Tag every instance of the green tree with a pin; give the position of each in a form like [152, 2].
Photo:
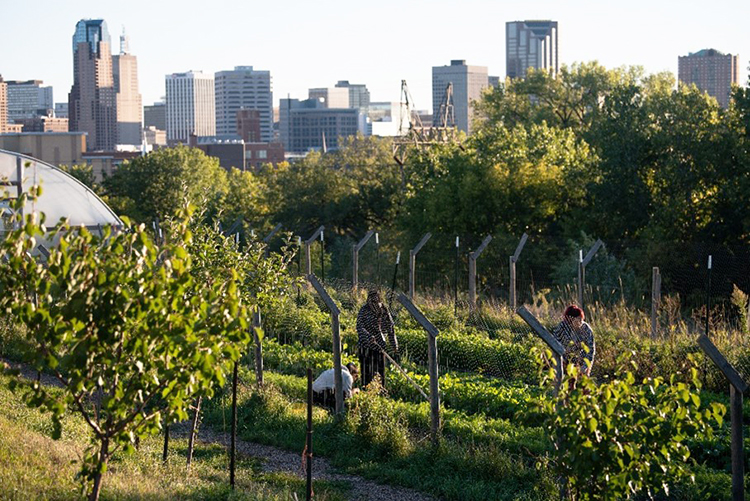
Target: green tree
[125, 327]
[158, 184]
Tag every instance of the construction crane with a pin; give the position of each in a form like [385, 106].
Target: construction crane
[411, 130]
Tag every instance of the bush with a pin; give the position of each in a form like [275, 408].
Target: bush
[618, 439]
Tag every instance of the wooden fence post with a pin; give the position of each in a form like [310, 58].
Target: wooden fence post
[555, 345]
[512, 298]
[432, 360]
[308, 243]
[335, 331]
[737, 386]
[413, 264]
[582, 263]
[473, 256]
[258, 347]
[355, 258]
[655, 300]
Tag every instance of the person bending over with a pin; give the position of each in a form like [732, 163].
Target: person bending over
[324, 386]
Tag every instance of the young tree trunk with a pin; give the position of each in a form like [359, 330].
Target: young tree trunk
[103, 458]
[193, 431]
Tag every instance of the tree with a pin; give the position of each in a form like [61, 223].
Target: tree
[158, 184]
[123, 324]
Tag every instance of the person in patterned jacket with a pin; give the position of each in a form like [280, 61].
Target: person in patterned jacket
[374, 327]
[577, 338]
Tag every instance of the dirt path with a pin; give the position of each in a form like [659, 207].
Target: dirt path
[275, 459]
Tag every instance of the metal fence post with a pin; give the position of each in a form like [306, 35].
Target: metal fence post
[512, 298]
[309, 243]
[355, 258]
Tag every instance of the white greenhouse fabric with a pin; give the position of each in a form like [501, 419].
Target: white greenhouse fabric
[63, 196]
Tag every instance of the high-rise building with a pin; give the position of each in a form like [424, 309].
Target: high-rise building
[249, 126]
[243, 88]
[359, 96]
[191, 106]
[331, 97]
[468, 84]
[711, 71]
[129, 105]
[155, 116]
[28, 99]
[92, 100]
[530, 44]
[311, 125]
[3, 105]
[61, 110]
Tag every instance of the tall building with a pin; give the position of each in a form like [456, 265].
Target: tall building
[359, 96]
[311, 125]
[129, 105]
[3, 105]
[155, 116]
[28, 99]
[92, 100]
[711, 71]
[530, 44]
[468, 84]
[331, 97]
[243, 88]
[61, 110]
[191, 106]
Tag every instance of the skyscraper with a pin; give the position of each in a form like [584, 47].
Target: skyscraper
[711, 71]
[191, 106]
[28, 99]
[129, 105]
[530, 44]
[468, 83]
[243, 88]
[330, 97]
[92, 99]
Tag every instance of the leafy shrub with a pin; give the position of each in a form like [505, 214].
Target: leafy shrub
[619, 439]
[375, 421]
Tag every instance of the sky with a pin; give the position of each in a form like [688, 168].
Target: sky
[307, 44]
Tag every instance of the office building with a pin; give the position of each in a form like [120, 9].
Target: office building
[154, 137]
[92, 100]
[468, 84]
[359, 96]
[61, 110]
[129, 104]
[711, 71]
[155, 116]
[243, 88]
[56, 148]
[311, 125]
[190, 106]
[28, 99]
[3, 105]
[531, 44]
[43, 124]
[331, 97]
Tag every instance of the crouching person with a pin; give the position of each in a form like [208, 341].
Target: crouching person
[324, 387]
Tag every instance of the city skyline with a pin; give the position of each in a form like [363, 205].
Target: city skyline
[304, 46]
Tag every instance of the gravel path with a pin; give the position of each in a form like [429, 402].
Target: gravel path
[274, 459]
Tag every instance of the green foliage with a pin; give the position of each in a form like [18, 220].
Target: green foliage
[619, 439]
[84, 173]
[123, 325]
[741, 302]
[159, 184]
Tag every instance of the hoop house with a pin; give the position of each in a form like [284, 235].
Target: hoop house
[63, 196]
